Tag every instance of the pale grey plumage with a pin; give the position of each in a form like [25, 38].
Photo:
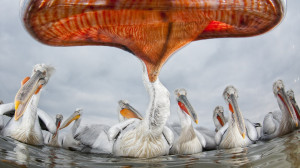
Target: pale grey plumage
[144, 138]
[27, 128]
[281, 122]
[50, 138]
[237, 132]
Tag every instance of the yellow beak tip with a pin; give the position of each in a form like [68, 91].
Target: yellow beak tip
[196, 121]
[243, 135]
[17, 103]
[297, 124]
[16, 118]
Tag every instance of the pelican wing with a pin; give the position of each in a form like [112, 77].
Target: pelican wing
[115, 130]
[46, 121]
[7, 109]
[88, 134]
[220, 133]
[168, 134]
[271, 123]
[67, 141]
[201, 138]
[251, 130]
[47, 137]
[209, 137]
[175, 129]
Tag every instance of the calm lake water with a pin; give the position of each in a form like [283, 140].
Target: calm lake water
[279, 152]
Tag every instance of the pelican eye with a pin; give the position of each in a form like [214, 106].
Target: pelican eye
[42, 81]
[228, 95]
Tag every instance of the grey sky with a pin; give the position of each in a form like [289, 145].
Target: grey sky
[95, 78]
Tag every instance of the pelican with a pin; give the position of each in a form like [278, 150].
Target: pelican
[281, 122]
[145, 138]
[87, 138]
[25, 126]
[189, 141]
[66, 140]
[93, 138]
[219, 118]
[52, 139]
[126, 111]
[291, 96]
[235, 133]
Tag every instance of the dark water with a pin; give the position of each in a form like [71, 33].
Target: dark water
[279, 152]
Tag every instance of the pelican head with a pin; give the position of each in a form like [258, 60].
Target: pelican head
[75, 116]
[32, 85]
[185, 105]
[126, 111]
[285, 103]
[230, 95]
[291, 96]
[58, 121]
[218, 117]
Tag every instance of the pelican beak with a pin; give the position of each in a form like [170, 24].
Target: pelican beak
[221, 119]
[295, 107]
[29, 87]
[129, 112]
[185, 106]
[58, 122]
[281, 95]
[237, 115]
[73, 117]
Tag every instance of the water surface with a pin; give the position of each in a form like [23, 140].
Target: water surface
[279, 152]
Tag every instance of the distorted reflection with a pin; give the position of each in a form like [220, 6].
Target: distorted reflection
[292, 149]
[22, 153]
[234, 156]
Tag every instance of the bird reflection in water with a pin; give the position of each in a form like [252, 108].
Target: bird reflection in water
[292, 148]
[22, 153]
[235, 156]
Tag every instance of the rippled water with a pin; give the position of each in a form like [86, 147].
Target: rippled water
[279, 152]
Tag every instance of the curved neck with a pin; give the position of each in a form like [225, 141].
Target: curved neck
[217, 124]
[30, 115]
[286, 119]
[75, 126]
[185, 120]
[158, 109]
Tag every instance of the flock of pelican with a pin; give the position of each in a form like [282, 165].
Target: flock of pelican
[144, 136]
[152, 31]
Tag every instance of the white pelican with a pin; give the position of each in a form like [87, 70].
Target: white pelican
[93, 138]
[145, 138]
[52, 139]
[291, 96]
[281, 122]
[189, 141]
[235, 133]
[219, 118]
[126, 111]
[25, 126]
[66, 140]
